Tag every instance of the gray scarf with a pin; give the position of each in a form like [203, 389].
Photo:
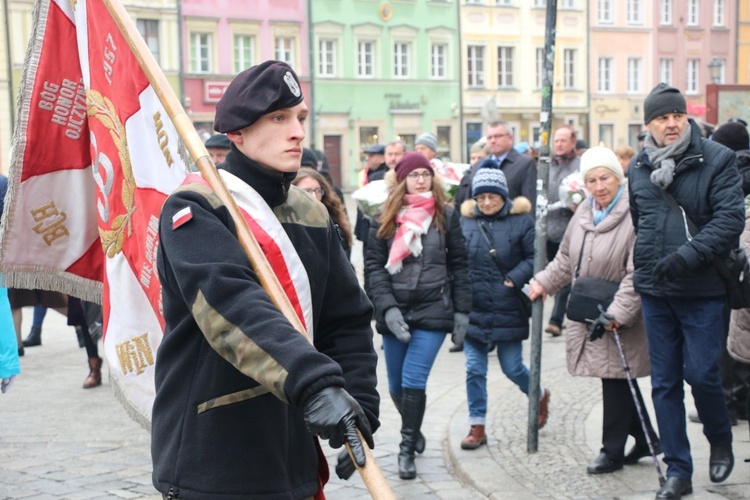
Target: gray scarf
[663, 158]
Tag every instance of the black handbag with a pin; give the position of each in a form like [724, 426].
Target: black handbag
[733, 266]
[587, 294]
[524, 302]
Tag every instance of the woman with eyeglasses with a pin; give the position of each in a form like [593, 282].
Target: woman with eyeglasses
[500, 237]
[313, 183]
[419, 284]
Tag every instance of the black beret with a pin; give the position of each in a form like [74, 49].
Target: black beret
[375, 149]
[663, 100]
[218, 141]
[257, 91]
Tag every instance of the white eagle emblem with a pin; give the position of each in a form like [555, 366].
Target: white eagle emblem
[292, 84]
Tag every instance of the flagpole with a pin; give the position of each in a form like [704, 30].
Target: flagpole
[371, 474]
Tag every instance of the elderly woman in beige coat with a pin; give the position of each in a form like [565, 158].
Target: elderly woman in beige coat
[602, 229]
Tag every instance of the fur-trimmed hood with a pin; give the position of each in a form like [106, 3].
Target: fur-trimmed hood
[519, 205]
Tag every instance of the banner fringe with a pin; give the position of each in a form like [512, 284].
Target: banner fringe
[56, 281]
[134, 413]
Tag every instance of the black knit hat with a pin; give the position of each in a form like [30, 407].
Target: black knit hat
[309, 158]
[732, 135]
[257, 91]
[219, 141]
[663, 100]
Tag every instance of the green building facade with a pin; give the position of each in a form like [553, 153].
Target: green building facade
[383, 71]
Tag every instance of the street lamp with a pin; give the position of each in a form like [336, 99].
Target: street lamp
[714, 68]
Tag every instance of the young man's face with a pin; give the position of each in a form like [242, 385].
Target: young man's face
[275, 140]
[667, 129]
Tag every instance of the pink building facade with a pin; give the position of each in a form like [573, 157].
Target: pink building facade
[689, 36]
[224, 37]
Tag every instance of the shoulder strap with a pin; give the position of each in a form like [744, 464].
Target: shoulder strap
[690, 228]
[580, 256]
[493, 252]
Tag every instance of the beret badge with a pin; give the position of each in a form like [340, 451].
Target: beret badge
[292, 84]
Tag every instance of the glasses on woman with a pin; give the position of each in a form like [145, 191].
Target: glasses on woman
[316, 191]
[419, 175]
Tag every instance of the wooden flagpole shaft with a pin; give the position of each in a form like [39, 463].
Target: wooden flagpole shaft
[371, 474]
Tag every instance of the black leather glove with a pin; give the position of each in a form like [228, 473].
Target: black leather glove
[333, 414]
[670, 266]
[460, 325]
[598, 327]
[396, 324]
[344, 466]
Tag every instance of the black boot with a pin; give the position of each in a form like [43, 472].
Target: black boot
[34, 338]
[421, 442]
[412, 412]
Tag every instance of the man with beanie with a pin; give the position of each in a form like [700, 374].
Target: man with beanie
[218, 146]
[240, 393]
[427, 145]
[565, 161]
[519, 169]
[687, 208]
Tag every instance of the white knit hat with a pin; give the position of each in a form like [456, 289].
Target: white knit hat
[599, 156]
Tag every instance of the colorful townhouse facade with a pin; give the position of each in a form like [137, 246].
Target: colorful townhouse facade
[383, 71]
[502, 45]
[621, 69]
[743, 42]
[221, 38]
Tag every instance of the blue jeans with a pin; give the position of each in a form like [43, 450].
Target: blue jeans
[685, 338]
[409, 365]
[510, 355]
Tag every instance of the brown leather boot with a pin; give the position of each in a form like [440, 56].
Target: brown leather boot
[475, 439]
[543, 409]
[95, 375]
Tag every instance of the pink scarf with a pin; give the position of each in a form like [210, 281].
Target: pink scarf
[413, 221]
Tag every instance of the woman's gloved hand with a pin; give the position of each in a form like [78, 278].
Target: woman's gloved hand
[460, 325]
[396, 324]
[602, 324]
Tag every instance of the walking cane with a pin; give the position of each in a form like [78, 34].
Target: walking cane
[637, 402]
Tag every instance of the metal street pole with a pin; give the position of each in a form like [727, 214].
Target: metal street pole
[540, 257]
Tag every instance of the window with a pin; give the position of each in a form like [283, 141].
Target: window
[366, 59]
[605, 74]
[502, 3]
[665, 71]
[439, 60]
[635, 11]
[367, 137]
[475, 61]
[569, 61]
[568, 4]
[691, 86]
[693, 12]
[722, 71]
[634, 130]
[634, 75]
[401, 55]
[718, 12]
[200, 52]
[665, 12]
[475, 2]
[243, 52]
[604, 11]
[540, 3]
[505, 66]
[607, 134]
[327, 58]
[284, 50]
[539, 68]
[444, 141]
[149, 30]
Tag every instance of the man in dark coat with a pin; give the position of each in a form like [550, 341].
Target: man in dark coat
[519, 170]
[240, 393]
[680, 180]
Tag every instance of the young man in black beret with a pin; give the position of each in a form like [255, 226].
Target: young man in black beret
[678, 177]
[240, 394]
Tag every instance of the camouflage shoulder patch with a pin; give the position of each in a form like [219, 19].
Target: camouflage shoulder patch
[301, 208]
[203, 190]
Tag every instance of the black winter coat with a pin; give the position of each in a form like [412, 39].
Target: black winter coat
[707, 186]
[495, 313]
[232, 374]
[429, 288]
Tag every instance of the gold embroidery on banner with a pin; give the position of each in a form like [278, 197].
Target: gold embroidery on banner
[135, 354]
[102, 108]
[49, 229]
[162, 138]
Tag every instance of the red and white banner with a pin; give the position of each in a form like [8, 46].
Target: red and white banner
[95, 155]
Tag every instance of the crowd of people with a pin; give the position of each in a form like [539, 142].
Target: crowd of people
[235, 378]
